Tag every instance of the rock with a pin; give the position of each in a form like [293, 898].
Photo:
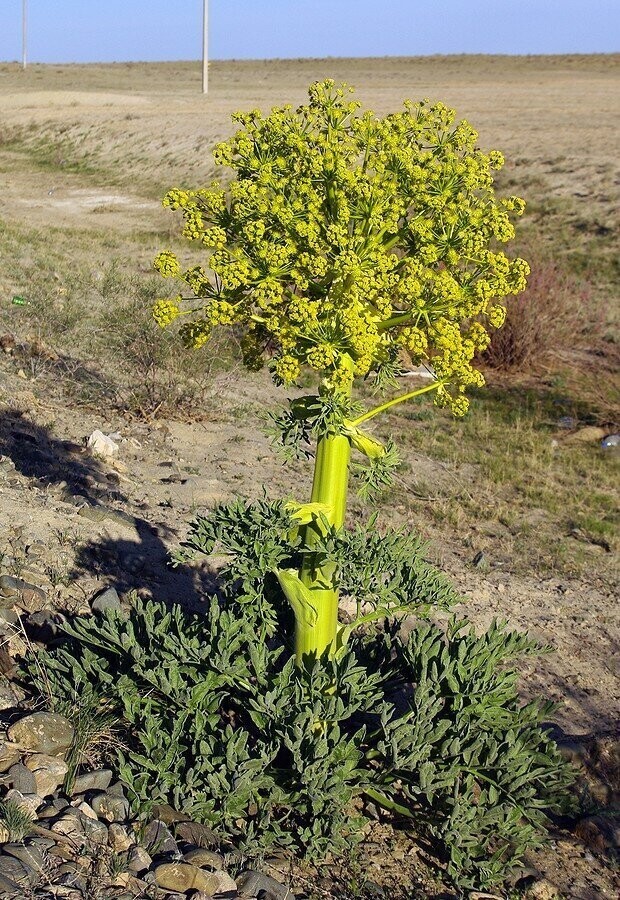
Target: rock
[138, 860]
[204, 859]
[42, 844]
[219, 882]
[42, 626]
[373, 891]
[28, 596]
[251, 883]
[9, 755]
[42, 732]
[168, 815]
[102, 444]
[22, 779]
[544, 890]
[600, 833]
[197, 833]
[179, 876]
[30, 856]
[97, 780]
[200, 895]
[590, 434]
[87, 811]
[80, 828]
[8, 617]
[100, 513]
[611, 442]
[119, 838]
[111, 807]
[9, 888]
[16, 871]
[28, 802]
[51, 810]
[158, 839]
[48, 771]
[106, 599]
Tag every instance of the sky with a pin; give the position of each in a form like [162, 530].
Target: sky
[122, 30]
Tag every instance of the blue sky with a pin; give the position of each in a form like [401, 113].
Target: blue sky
[119, 30]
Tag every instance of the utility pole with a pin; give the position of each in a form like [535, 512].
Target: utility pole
[205, 46]
[24, 30]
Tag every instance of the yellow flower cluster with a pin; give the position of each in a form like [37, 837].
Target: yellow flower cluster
[346, 237]
[166, 311]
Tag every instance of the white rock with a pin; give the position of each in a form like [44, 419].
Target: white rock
[102, 444]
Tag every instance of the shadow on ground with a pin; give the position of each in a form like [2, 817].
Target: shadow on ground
[139, 562]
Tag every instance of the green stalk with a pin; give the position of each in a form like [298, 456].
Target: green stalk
[329, 487]
[331, 476]
[402, 399]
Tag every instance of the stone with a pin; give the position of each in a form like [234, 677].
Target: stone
[251, 883]
[588, 435]
[16, 871]
[158, 839]
[87, 811]
[204, 859]
[42, 844]
[42, 732]
[599, 833]
[100, 513]
[544, 890]
[42, 626]
[8, 617]
[9, 888]
[30, 856]
[9, 755]
[110, 807]
[200, 895]
[107, 599]
[119, 838]
[197, 833]
[28, 802]
[48, 771]
[22, 779]
[80, 828]
[168, 815]
[219, 882]
[180, 876]
[97, 780]
[51, 810]
[101, 444]
[138, 860]
[27, 596]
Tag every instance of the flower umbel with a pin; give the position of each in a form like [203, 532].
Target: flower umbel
[345, 236]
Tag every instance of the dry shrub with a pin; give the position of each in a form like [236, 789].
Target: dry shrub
[554, 315]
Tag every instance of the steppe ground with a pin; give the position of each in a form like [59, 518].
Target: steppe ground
[86, 152]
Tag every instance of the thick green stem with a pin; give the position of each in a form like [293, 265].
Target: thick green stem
[316, 634]
[329, 487]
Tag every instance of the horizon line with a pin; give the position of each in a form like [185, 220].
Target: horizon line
[272, 59]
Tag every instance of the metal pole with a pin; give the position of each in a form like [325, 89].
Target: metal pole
[205, 46]
[24, 30]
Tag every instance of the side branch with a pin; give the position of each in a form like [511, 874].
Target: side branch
[379, 409]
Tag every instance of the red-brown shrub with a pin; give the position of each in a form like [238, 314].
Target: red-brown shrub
[554, 314]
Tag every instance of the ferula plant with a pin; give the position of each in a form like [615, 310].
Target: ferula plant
[343, 244]
[345, 241]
